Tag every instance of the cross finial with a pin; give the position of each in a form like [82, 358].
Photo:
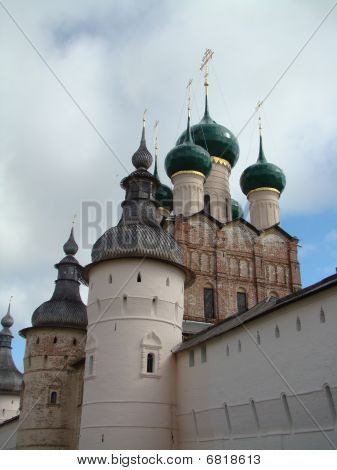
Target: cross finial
[204, 66]
[144, 117]
[10, 299]
[73, 221]
[156, 147]
[258, 109]
[189, 86]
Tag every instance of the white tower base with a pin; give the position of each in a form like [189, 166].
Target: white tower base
[264, 207]
[188, 192]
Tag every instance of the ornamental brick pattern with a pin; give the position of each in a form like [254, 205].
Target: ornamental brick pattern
[235, 257]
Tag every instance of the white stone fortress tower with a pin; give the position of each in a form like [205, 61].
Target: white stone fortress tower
[135, 311]
[10, 377]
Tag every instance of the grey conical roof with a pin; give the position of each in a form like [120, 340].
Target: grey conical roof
[10, 377]
[65, 309]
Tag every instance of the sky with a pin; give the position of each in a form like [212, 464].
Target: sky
[76, 77]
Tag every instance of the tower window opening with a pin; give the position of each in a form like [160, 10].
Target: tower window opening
[38, 340]
[227, 350]
[168, 281]
[203, 353]
[208, 303]
[53, 398]
[239, 346]
[322, 316]
[258, 338]
[298, 324]
[191, 358]
[150, 363]
[91, 365]
[207, 204]
[277, 332]
[139, 278]
[55, 340]
[110, 279]
[74, 342]
[241, 299]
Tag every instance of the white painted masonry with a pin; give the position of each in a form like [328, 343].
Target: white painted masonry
[217, 187]
[281, 393]
[188, 193]
[9, 406]
[264, 208]
[135, 307]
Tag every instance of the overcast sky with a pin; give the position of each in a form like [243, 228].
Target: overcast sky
[117, 58]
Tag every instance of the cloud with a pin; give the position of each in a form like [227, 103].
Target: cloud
[116, 58]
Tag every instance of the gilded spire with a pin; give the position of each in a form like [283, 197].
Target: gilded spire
[188, 131]
[261, 158]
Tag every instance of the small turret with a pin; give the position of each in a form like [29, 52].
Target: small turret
[10, 377]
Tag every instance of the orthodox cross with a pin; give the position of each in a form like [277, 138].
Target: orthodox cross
[204, 66]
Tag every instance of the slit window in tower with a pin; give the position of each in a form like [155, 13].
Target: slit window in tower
[150, 363]
[207, 204]
[91, 365]
[241, 301]
[53, 398]
[208, 303]
[139, 278]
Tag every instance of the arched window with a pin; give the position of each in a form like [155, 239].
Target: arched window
[74, 342]
[241, 300]
[139, 278]
[55, 340]
[150, 363]
[53, 398]
[168, 281]
[207, 204]
[209, 303]
[273, 295]
[38, 340]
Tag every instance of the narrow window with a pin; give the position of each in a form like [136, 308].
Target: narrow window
[74, 342]
[139, 278]
[277, 332]
[55, 340]
[38, 340]
[331, 403]
[208, 303]
[168, 281]
[203, 353]
[91, 365]
[287, 409]
[322, 316]
[53, 398]
[239, 346]
[110, 279]
[258, 338]
[241, 299]
[150, 363]
[207, 204]
[191, 358]
[227, 350]
[298, 324]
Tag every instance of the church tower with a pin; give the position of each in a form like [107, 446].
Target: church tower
[188, 165]
[54, 353]
[263, 183]
[10, 377]
[135, 311]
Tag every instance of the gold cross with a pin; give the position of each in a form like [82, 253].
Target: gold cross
[156, 147]
[189, 86]
[144, 117]
[258, 110]
[74, 218]
[204, 65]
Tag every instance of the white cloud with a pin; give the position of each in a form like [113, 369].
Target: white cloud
[116, 58]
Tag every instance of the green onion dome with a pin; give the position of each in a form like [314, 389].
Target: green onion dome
[188, 157]
[216, 139]
[262, 175]
[164, 194]
[237, 210]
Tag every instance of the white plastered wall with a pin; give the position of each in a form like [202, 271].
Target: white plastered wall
[125, 407]
[217, 187]
[9, 406]
[188, 193]
[264, 208]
